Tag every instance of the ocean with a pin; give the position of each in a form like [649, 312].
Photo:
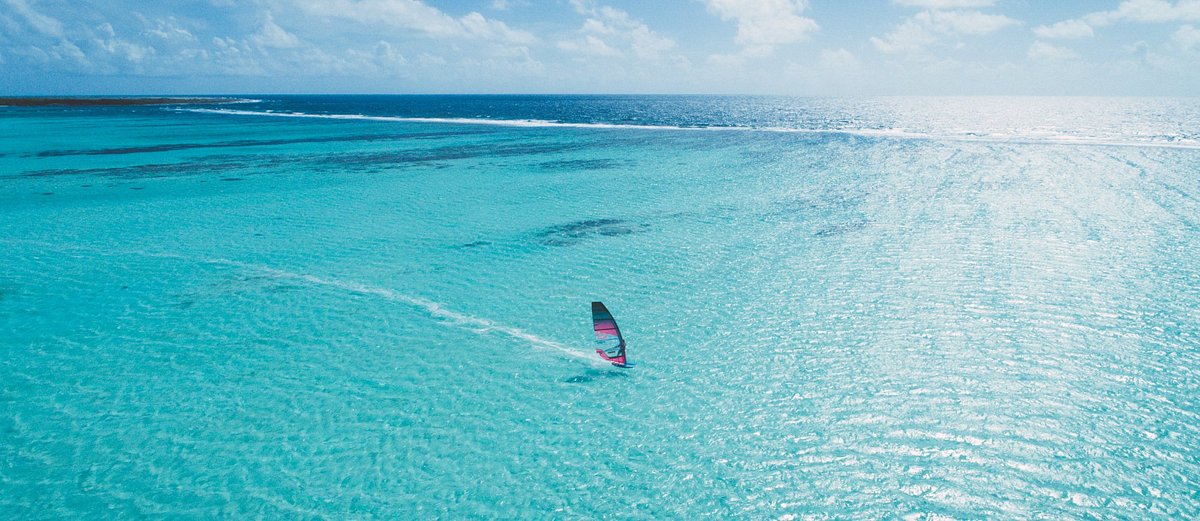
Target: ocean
[361, 307]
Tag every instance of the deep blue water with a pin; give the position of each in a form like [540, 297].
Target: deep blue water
[377, 307]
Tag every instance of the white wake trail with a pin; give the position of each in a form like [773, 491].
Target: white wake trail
[474, 324]
[446, 316]
[468, 322]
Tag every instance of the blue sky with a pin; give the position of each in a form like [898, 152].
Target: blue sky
[800, 47]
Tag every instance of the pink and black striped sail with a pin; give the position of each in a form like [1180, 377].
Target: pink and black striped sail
[607, 334]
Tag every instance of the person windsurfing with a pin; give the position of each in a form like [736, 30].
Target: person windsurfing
[609, 335]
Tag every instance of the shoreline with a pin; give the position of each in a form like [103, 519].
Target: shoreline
[46, 101]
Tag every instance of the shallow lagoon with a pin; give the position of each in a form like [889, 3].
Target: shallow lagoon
[863, 308]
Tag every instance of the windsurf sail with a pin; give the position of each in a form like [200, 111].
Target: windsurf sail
[608, 335]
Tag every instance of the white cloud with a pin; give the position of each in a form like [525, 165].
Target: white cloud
[504, 5]
[7, 26]
[965, 22]
[1065, 29]
[589, 45]
[839, 60]
[763, 25]
[927, 27]
[607, 29]
[1042, 51]
[592, 25]
[41, 23]
[111, 44]
[168, 29]
[724, 60]
[415, 15]
[1144, 56]
[649, 45]
[478, 26]
[235, 57]
[430, 59]
[381, 60]
[944, 4]
[908, 37]
[384, 52]
[1147, 11]
[1143, 11]
[1187, 38]
[272, 35]
[63, 51]
[292, 38]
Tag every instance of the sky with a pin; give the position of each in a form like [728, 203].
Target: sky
[789, 47]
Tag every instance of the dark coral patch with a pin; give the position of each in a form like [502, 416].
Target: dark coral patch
[571, 165]
[474, 244]
[840, 228]
[574, 232]
[155, 170]
[451, 153]
[168, 147]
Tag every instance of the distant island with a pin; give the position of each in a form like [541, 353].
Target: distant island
[94, 101]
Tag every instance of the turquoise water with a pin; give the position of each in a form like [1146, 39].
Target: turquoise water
[379, 308]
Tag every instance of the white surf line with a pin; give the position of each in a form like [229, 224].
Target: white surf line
[530, 123]
[871, 133]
